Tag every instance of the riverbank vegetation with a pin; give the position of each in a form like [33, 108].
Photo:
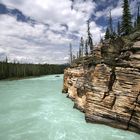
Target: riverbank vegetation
[17, 70]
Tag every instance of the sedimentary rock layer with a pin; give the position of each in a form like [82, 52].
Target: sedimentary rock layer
[108, 93]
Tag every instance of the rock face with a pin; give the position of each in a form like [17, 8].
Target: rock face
[108, 92]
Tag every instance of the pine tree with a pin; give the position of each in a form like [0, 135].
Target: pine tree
[107, 34]
[73, 57]
[79, 51]
[82, 45]
[126, 25]
[135, 24]
[110, 24]
[6, 60]
[90, 42]
[114, 34]
[109, 30]
[86, 48]
[138, 18]
[101, 39]
[118, 29]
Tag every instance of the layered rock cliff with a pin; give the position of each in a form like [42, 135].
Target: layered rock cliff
[106, 85]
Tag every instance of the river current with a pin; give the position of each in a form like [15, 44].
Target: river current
[35, 109]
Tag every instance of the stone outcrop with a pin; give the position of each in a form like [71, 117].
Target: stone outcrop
[107, 89]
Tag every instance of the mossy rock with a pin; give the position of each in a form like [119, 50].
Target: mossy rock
[112, 50]
[135, 36]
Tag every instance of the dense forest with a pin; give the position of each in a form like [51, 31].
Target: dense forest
[17, 70]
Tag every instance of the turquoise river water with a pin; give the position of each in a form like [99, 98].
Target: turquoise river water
[35, 109]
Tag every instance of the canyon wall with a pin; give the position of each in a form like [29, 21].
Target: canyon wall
[106, 86]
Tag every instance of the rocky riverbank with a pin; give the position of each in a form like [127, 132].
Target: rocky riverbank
[106, 85]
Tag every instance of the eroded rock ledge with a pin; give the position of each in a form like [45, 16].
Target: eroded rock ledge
[106, 86]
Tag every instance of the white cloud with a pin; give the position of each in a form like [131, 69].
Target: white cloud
[23, 42]
[42, 43]
[116, 12]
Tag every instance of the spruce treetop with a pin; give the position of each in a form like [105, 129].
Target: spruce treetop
[126, 25]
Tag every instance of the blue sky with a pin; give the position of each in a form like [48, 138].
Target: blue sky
[53, 24]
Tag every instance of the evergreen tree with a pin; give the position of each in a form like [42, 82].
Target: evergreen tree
[110, 24]
[138, 18]
[135, 24]
[107, 34]
[79, 51]
[17, 70]
[126, 25]
[82, 45]
[90, 42]
[114, 34]
[118, 29]
[109, 30]
[86, 48]
[74, 57]
[6, 59]
[101, 39]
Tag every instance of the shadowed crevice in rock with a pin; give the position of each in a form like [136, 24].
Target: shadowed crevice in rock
[114, 100]
[110, 84]
[133, 110]
[112, 79]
